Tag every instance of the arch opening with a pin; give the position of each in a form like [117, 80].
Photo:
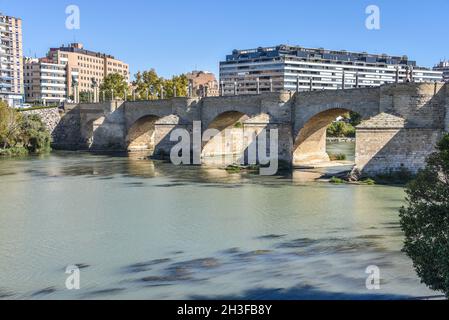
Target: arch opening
[312, 147]
[228, 136]
[141, 135]
[91, 131]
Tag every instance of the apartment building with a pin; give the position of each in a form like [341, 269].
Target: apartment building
[203, 83]
[45, 81]
[11, 67]
[290, 67]
[443, 66]
[84, 65]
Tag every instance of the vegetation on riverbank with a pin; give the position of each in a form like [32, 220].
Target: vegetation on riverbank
[337, 157]
[398, 177]
[344, 128]
[22, 134]
[425, 220]
[38, 108]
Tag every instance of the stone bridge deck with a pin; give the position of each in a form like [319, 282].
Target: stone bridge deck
[401, 123]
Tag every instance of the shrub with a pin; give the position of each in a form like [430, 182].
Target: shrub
[368, 181]
[336, 180]
[425, 220]
[19, 131]
[341, 129]
[337, 157]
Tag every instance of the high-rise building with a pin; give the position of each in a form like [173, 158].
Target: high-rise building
[45, 82]
[443, 66]
[86, 65]
[292, 67]
[11, 68]
[203, 83]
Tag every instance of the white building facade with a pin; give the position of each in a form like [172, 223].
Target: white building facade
[297, 68]
[45, 82]
[11, 68]
[443, 66]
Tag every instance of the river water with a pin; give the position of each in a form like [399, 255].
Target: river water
[149, 230]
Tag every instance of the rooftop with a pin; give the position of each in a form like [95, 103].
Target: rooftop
[79, 48]
[317, 53]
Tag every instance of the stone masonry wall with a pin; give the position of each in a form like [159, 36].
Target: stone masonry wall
[50, 117]
[385, 150]
[64, 126]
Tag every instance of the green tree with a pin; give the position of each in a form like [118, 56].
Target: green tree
[9, 126]
[116, 82]
[85, 97]
[34, 135]
[341, 129]
[180, 83]
[22, 133]
[147, 83]
[425, 220]
[354, 118]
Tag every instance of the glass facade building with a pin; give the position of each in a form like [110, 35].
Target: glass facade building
[291, 67]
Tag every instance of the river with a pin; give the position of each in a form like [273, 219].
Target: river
[149, 230]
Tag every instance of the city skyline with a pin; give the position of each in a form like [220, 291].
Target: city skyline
[212, 36]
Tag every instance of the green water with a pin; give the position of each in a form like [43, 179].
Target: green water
[150, 230]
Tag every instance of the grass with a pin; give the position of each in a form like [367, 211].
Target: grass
[368, 182]
[335, 180]
[37, 108]
[337, 157]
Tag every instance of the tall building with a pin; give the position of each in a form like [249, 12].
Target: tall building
[85, 65]
[203, 83]
[45, 82]
[11, 68]
[288, 67]
[443, 66]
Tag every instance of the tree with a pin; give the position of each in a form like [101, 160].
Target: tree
[354, 118]
[148, 83]
[9, 126]
[85, 97]
[34, 135]
[425, 220]
[180, 83]
[116, 82]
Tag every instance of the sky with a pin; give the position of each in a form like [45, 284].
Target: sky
[177, 36]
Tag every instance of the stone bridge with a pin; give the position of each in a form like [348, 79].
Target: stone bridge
[401, 124]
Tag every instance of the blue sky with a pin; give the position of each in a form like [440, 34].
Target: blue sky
[176, 36]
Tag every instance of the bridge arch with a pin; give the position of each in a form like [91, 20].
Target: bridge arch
[315, 111]
[310, 143]
[229, 134]
[141, 134]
